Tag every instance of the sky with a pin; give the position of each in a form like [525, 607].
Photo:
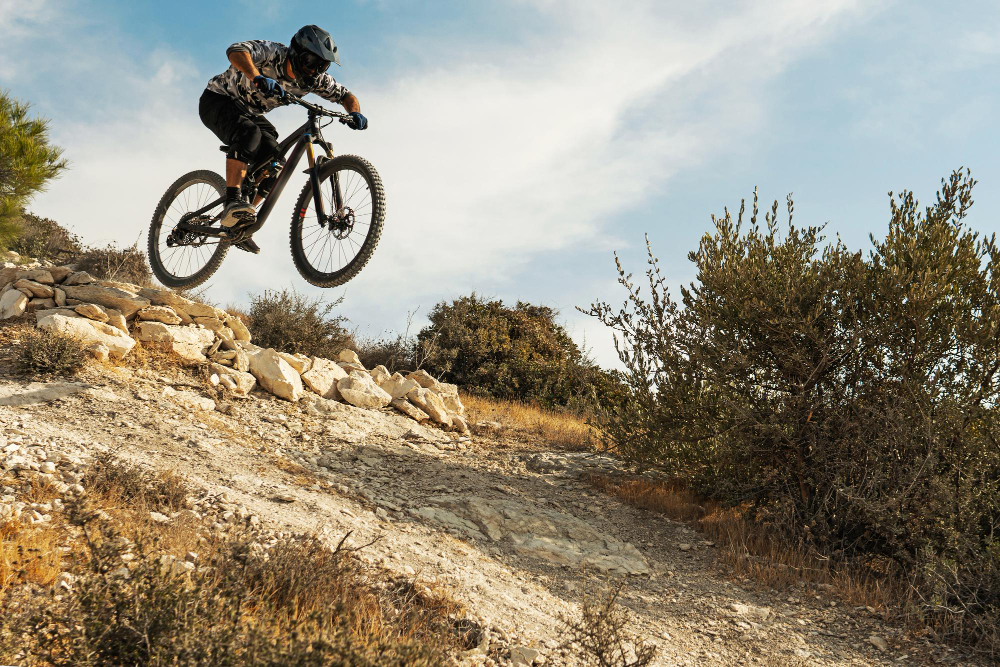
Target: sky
[523, 142]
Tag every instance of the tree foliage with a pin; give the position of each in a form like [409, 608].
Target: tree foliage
[851, 400]
[27, 160]
[517, 352]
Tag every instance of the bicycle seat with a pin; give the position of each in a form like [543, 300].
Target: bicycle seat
[224, 149]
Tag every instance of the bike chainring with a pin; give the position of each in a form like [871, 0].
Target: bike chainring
[180, 237]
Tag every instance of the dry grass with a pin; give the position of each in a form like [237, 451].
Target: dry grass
[29, 554]
[751, 551]
[531, 424]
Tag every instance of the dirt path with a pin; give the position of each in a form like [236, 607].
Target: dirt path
[512, 533]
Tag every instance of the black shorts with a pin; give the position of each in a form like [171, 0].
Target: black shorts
[250, 137]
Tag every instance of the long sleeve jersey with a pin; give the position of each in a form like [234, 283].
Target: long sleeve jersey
[269, 57]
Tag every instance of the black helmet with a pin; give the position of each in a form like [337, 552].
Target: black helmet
[311, 52]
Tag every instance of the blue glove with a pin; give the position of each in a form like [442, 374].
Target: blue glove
[269, 87]
[358, 122]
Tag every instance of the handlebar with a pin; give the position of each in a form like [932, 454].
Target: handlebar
[317, 109]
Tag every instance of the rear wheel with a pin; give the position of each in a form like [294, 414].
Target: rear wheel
[183, 259]
[329, 252]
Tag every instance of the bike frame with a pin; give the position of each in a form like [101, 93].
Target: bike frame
[299, 142]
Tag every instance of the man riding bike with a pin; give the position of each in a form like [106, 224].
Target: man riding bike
[234, 103]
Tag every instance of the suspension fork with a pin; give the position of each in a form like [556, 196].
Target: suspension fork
[314, 179]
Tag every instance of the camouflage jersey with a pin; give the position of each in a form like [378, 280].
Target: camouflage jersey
[269, 57]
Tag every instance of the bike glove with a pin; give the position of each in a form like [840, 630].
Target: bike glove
[358, 122]
[268, 86]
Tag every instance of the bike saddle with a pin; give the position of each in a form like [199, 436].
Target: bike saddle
[224, 149]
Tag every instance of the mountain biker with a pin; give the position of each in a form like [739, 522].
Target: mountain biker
[234, 103]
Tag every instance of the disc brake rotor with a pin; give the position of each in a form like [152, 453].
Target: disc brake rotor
[341, 224]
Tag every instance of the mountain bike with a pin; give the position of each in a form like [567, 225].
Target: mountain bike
[336, 223]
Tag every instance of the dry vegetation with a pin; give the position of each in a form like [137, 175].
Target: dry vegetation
[531, 424]
[299, 602]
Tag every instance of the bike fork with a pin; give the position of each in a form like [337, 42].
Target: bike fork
[338, 196]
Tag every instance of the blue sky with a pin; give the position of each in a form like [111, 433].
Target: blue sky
[522, 141]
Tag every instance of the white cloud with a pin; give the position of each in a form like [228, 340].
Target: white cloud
[492, 157]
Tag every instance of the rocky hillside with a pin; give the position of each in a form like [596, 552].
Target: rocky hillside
[450, 501]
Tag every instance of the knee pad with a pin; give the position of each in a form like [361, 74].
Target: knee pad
[245, 142]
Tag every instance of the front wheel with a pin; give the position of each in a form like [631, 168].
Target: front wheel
[329, 252]
[184, 259]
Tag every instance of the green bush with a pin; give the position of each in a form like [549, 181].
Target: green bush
[291, 322]
[518, 352]
[850, 400]
[27, 161]
[43, 353]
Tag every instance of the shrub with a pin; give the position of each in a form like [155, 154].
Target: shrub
[849, 401]
[33, 236]
[127, 265]
[600, 635]
[298, 603]
[42, 353]
[291, 322]
[27, 161]
[133, 486]
[515, 352]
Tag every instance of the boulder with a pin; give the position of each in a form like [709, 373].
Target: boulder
[425, 380]
[242, 383]
[60, 273]
[299, 362]
[187, 342]
[116, 319]
[359, 389]
[59, 296]
[213, 324]
[431, 403]
[380, 374]
[92, 312]
[459, 424]
[119, 344]
[8, 274]
[181, 305]
[275, 375]
[162, 314]
[39, 276]
[241, 361]
[449, 393]
[397, 386]
[13, 303]
[37, 289]
[240, 331]
[350, 357]
[98, 351]
[323, 377]
[110, 297]
[35, 304]
[409, 409]
[79, 278]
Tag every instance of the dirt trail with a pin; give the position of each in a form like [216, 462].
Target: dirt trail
[509, 531]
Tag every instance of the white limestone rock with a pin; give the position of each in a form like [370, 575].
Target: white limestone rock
[409, 409]
[323, 377]
[126, 302]
[350, 357]
[163, 314]
[275, 375]
[397, 386]
[89, 331]
[359, 389]
[431, 403]
[300, 362]
[240, 331]
[92, 312]
[13, 303]
[35, 288]
[187, 342]
[242, 383]
[380, 374]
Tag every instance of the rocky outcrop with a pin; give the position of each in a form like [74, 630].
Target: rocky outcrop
[127, 303]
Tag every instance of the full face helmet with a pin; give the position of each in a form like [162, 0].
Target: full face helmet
[310, 54]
